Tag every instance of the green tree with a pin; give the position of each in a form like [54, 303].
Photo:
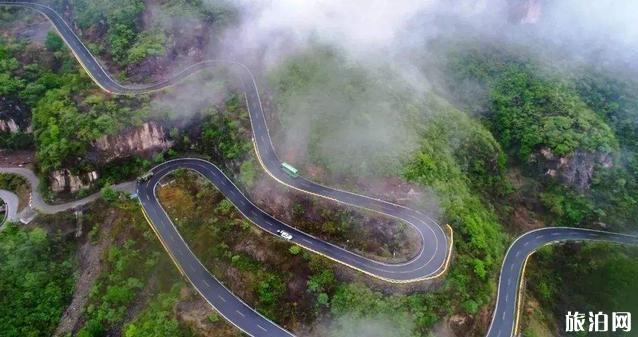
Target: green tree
[294, 250]
[53, 42]
[36, 280]
[109, 194]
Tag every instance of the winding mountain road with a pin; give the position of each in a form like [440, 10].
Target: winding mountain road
[430, 262]
[37, 202]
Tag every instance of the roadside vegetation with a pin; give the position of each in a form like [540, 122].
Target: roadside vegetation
[64, 124]
[118, 31]
[586, 115]
[135, 268]
[586, 277]
[294, 287]
[584, 119]
[18, 185]
[456, 157]
[36, 280]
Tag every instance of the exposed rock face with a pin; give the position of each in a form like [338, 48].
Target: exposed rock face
[144, 139]
[9, 125]
[576, 169]
[63, 180]
[14, 116]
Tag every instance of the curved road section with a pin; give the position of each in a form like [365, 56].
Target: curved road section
[431, 261]
[11, 206]
[510, 286]
[37, 202]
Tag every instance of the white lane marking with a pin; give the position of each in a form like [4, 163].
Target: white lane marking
[306, 240]
[261, 327]
[526, 244]
[507, 298]
[240, 313]
[206, 283]
[221, 298]
[518, 253]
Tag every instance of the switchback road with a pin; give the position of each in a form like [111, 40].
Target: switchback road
[430, 262]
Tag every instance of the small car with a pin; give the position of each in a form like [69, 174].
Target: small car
[284, 234]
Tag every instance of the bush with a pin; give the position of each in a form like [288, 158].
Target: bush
[36, 281]
[109, 194]
[294, 250]
[53, 42]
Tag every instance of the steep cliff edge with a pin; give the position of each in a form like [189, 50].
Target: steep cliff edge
[147, 138]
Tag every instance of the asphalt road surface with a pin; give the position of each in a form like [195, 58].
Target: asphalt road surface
[430, 261]
[37, 201]
[505, 317]
[11, 206]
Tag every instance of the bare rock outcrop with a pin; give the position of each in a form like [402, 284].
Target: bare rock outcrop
[575, 169]
[9, 125]
[146, 138]
[14, 116]
[64, 180]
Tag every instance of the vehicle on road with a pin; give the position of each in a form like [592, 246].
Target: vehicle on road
[290, 170]
[145, 177]
[284, 234]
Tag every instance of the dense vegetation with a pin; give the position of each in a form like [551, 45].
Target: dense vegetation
[453, 172]
[130, 38]
[36, 281]
[587, 277]
[67, 111]
[457, 156]
[122, 19]
[129, 267]
[291, 286]
[584, 115]
[342, 116]
[528, 112]
[157, 319]
[216, 232]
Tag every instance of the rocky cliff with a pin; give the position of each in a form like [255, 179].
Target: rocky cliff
[147, 138]
[63, 180]
[575, 169]
[14, 116]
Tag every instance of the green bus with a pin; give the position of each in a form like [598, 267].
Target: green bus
[290, 170]
[145, 177]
